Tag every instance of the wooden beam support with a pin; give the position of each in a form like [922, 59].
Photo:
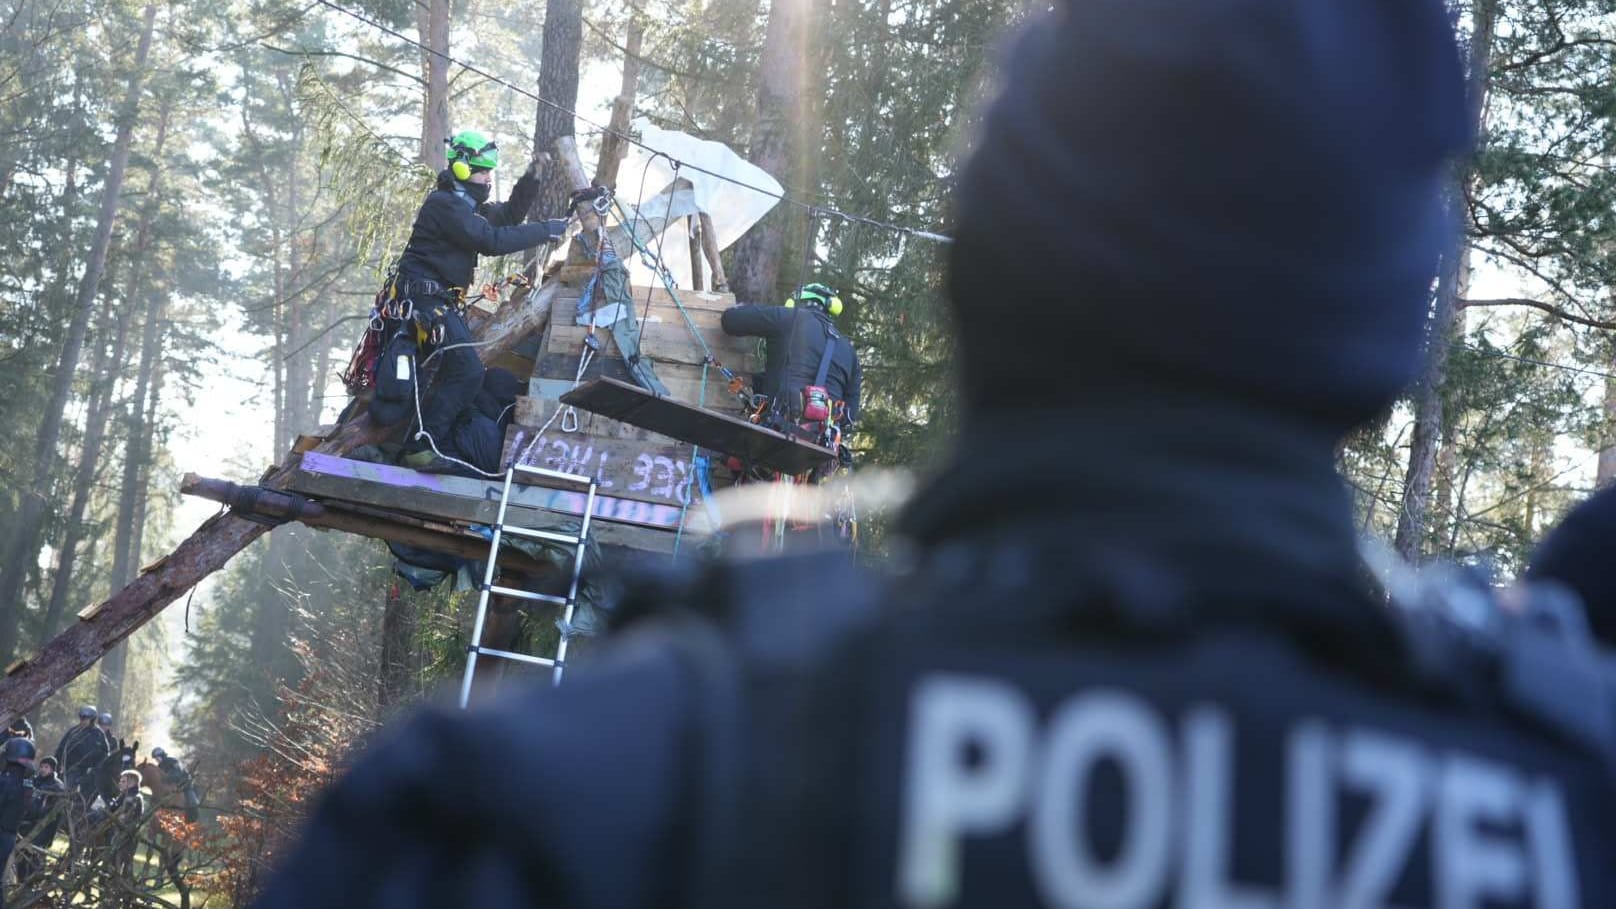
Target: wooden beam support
[379, 525]
[612, 147]
[208, 548]
[709, 247]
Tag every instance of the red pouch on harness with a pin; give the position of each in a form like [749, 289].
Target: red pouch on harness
[815, 403]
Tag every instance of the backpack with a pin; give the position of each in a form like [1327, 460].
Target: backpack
[395, 378]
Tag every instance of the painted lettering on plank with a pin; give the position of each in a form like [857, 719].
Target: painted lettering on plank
[649, 472]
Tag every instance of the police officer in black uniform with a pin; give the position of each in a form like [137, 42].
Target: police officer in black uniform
[16, 794]
[80, 752]
[1134, 662]
[19, 728]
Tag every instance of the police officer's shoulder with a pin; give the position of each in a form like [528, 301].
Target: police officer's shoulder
[784, 609]
[1526, 650]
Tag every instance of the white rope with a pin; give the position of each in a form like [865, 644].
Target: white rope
[421, 432]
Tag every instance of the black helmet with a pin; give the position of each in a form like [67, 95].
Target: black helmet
[106, 719]
[158, 754]
[87, 712]
[19, 751]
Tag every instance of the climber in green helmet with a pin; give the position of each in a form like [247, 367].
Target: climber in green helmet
[455, 225]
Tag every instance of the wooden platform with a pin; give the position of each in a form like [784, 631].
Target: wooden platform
[711, 430]
[617, 521]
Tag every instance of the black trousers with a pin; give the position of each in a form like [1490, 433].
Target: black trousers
[460, 375]
[8, 842]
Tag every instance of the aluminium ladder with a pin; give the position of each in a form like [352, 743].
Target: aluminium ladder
[476, 649]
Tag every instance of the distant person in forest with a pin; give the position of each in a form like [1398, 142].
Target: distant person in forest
[16, 794]
[19, 728]
[48, 791]
[811, 374]
[105, 725]
[455, 225]
[81, 751]
[47, 784]
[129, 804]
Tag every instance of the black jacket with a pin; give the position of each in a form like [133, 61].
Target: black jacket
[797, 339]
[1170, 607]
[16, 797]
[81, 749]
[42, 801]
[451, 230]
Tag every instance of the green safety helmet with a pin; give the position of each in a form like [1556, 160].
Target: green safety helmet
[817, 295]
[471, 151]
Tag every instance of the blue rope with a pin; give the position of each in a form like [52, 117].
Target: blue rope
[667, 282]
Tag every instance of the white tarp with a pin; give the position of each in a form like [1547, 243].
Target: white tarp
[734, 209]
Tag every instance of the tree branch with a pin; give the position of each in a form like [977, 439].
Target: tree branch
[1544, 307]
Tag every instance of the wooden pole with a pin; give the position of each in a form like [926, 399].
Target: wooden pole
[693, 226]
[612, 146]
[709, 246]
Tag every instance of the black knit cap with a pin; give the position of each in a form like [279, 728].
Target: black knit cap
[1238, 196]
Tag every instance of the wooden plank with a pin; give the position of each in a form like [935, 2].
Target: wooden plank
[709, 321]
[660, 343]
[465, 499]
[657, 470]
[563, 367]
[716, 431]
[717, 395]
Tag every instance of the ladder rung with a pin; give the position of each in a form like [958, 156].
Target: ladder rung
[549, 535]
[554, 474]
[526, 595]
[508, 655]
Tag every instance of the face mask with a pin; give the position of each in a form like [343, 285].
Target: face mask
[477, 191]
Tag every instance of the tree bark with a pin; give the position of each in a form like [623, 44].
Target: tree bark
[136, 454]
[775, 146]
[23, 547]
[1606, 472]
[399, 621]
[433, 23]
[693, 229]
[558, 84]
[1413, 516]
[100, 409]
[612, 147]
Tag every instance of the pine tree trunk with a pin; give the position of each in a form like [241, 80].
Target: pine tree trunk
[125, 558]
[1413, 518]
[558, 84]
[612, 148]
[1606, 472]
[432, 22]
[1413, 515]
[100, 409]
[23, 546]
[397, 677]
[774, 147]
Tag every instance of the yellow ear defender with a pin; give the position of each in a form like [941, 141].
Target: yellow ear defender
[832, 306]
[462, 170]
